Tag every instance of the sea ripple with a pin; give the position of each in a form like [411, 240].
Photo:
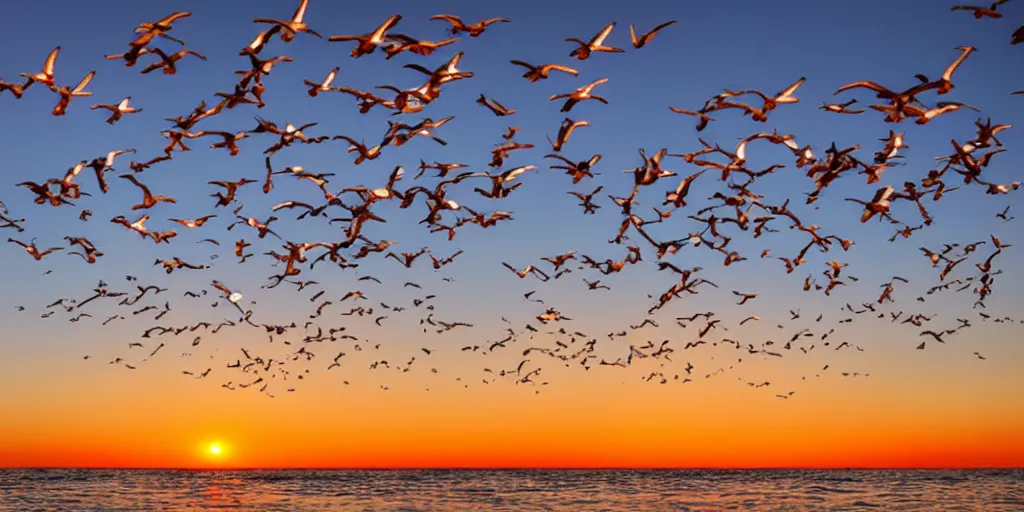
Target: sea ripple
[511, 490]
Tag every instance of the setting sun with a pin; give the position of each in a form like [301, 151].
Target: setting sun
[215, 449]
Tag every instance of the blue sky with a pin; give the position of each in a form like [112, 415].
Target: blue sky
[716, 45]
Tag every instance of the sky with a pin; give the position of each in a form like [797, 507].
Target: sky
[939, 407]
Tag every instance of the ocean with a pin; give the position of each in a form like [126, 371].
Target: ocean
[49, 490]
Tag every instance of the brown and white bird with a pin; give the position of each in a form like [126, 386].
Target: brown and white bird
[116, 111]
[288, 28]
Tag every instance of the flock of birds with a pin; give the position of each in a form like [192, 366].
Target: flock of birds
[738, 209]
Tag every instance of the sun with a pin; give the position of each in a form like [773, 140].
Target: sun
[215, 452]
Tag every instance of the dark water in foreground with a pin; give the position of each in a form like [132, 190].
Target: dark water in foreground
[511, 490]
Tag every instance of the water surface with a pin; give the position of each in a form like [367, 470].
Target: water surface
[511, 490]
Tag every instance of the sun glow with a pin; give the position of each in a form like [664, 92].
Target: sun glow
[215, 449]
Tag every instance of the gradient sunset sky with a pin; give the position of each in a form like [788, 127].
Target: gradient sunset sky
[939, 407]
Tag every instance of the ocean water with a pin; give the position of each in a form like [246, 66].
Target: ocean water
[511, 490]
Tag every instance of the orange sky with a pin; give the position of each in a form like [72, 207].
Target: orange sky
[108, 418]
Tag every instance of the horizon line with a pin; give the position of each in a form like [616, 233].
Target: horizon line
[517, 468]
